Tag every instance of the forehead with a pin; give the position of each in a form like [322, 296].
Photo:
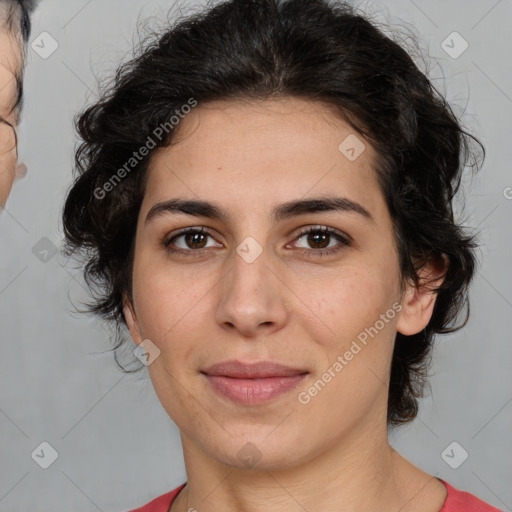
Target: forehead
[275, 117]
[10, 67]
[290, 144]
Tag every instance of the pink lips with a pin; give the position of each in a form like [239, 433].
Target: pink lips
[252, 383]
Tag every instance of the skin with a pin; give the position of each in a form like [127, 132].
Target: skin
[286, 306]
[10, 65]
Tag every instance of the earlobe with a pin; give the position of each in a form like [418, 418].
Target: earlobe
[131, 320]
[419, 301]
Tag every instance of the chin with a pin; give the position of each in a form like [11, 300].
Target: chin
[256, 448]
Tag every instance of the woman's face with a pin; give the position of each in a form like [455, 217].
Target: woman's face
[253, 288]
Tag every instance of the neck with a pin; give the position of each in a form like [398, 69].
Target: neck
[360, 470]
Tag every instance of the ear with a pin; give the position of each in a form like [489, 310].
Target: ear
[418, 301]
[131, 320]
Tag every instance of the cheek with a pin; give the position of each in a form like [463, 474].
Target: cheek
[347, 299]
[169, 302]
[355, 348]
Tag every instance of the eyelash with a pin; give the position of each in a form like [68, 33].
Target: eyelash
[344, 240]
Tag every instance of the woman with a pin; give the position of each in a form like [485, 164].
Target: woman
[264, 198]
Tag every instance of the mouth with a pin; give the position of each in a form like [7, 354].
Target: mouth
[252, 383]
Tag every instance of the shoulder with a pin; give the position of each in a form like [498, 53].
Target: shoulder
[162, 503]
[462, 501]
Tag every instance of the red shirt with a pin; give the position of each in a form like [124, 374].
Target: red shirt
[456, 501]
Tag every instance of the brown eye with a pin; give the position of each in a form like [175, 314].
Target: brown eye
[194, 240]
[319, 240]
[188, 240]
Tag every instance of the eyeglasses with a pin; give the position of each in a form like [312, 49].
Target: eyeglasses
[8, 137]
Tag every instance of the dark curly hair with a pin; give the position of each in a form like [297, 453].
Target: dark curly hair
[259, 49]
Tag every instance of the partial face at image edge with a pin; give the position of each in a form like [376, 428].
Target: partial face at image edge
[11, 65]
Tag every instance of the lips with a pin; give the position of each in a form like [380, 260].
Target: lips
[252, 384]
[260, 370]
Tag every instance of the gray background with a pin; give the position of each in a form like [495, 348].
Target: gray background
[117, 447]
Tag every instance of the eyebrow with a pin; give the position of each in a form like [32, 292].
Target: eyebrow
[279, 213]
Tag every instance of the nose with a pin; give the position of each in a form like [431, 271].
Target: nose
[252, 296]
[20, 171]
